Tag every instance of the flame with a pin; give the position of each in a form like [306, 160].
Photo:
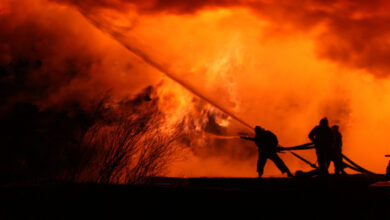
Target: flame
[218, 53]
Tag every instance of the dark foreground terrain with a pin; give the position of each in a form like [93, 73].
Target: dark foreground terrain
[352, 197]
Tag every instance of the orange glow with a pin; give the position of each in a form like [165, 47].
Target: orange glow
[280, 75]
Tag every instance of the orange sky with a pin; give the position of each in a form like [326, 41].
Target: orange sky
[278, 64]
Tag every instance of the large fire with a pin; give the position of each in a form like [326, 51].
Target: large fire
[279, 65]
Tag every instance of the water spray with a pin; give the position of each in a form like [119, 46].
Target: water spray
[184, 84]
[146, 58]
[223, 137]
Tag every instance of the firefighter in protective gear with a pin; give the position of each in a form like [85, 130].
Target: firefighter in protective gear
[336, 151]
[322, 137]
[267, 143]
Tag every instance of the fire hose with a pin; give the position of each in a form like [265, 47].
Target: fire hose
[352, 165]
[361, 169]
[307, 146]
[304, 160]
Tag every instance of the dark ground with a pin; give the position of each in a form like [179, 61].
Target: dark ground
[352, 197]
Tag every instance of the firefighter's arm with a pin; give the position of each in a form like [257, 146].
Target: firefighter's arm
[247, 138]
[280, 148]
[312, 135]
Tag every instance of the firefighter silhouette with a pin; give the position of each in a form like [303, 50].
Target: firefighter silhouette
[322, 137]
[267, 143]
[336, 151]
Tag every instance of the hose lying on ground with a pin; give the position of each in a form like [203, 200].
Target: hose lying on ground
[307, 146]
[359, 168]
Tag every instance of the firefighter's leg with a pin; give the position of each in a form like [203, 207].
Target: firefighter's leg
[261, 163]
[338, 164]
[322, 161]
[323, 164]
[280, 164]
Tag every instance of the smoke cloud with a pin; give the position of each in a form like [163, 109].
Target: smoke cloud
[352, 33]
[50, 55]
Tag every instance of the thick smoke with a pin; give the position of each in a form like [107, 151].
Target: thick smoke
[352, 33]
[49, 55]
